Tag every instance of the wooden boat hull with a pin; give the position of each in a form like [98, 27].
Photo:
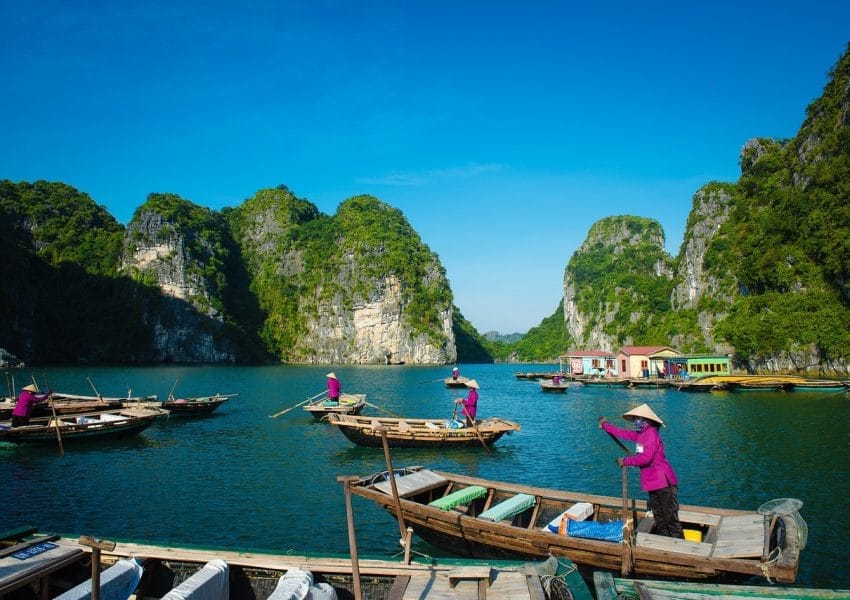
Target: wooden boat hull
[415, 433]
[525, 535]
[350, 404]
[694, 387]
[554, 388]
[608, 587]
[605, 383]
[202, 405]
[85, 427]
[460, 382]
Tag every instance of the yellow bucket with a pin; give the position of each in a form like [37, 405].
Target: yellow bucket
[693, 535]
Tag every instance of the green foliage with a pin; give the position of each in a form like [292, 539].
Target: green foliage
[543, 343]
[470, 346]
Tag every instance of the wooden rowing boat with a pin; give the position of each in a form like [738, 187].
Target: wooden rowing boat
[349, 404]
[179, 572]
[452, 382]
[62, 407]
[548, 385]
[608, 587]
[693, 386]
[195, 405]
[476, 517]
[818, 386]
[605, 382]
[421, 433]
[88, 426]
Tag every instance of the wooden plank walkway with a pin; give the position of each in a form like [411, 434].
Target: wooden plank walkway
[497, 585]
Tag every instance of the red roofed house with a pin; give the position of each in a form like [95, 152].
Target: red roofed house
[644, 361]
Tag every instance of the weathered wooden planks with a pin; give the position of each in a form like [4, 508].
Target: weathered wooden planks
[413, 483]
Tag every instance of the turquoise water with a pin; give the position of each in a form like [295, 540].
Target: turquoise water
[241, 480]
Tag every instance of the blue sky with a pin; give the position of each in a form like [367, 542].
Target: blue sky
[502, 130]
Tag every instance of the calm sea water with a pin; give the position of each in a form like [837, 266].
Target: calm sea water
[241, 480]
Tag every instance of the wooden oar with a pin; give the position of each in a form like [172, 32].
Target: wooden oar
[55, 420]
[383, 409]
[434, 381]
[286, 410]
[173, 387]
[478, 433]
[626, 559]
[99, 397]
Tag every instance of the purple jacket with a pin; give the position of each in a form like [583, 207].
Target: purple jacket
[470, 403]
[26, 400]
[334, 387]
[655, 471]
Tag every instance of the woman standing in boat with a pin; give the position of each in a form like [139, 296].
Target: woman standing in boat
[23, 407]
[334, 388]
[656, 475]
[470, 403]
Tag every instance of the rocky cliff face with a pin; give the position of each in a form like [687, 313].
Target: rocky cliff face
[348, 288]
[611, 279]
[186, 320]
[698, 278]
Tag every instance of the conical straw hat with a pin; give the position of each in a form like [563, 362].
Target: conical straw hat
[472, 383]
[30, 388]
[642, 411]
[331, 376]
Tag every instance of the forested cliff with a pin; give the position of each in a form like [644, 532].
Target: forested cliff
[762, 274]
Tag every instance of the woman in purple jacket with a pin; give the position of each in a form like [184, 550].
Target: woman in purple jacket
[656, 475]
[470, 403]
[334, 388]
[23, 407]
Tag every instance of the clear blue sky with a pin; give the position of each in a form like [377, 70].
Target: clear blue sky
[502, 130]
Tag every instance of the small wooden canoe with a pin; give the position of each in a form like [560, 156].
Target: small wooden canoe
[693, 386]
[349, 404]
[197, 405]
[605, 382]
[89, 426]
[460, 382]
[421, 433]
[818, 386]
[481, 518]
[548, 385]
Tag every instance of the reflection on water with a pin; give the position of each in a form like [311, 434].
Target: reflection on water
[240, 479]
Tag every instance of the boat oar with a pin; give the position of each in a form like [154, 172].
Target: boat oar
[173, 387]
[55, 420]
[286, 410]
[433, 381]
[478, 433]
[99, 397]
[626, 561]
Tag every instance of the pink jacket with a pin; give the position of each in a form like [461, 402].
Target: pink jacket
[470, 403]
[334, 387]
[655, 471]
[26, 400]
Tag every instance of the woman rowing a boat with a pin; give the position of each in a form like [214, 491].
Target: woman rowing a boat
[656, 475]
[28, 398]
[470, 403]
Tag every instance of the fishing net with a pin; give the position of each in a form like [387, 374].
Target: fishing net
[553, 577]
[788, 507]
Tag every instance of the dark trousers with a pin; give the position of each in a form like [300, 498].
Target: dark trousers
[333, 399]
[20, 421]
[664, 504]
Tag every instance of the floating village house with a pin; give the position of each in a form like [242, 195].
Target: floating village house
[645, 361]
[593, 363]
[700, 365]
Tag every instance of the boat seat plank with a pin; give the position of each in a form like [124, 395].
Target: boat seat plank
[508, 508]
[740, 537]
[669, 544]
[690, 516]
[413, 483]
[458, 497]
